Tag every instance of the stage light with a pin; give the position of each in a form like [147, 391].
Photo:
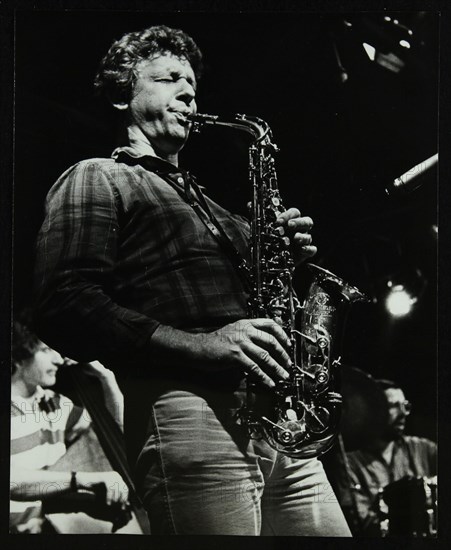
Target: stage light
[404, 291]
[388, 41]
[390, 61]
[399, 302]
[370, 50]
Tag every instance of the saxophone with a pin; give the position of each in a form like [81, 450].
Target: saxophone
[300, 416]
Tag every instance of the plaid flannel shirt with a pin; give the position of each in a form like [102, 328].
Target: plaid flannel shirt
[120, 251]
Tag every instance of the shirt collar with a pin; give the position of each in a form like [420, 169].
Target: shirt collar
[139, 148]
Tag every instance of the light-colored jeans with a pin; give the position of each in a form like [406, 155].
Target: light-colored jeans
[200, 474]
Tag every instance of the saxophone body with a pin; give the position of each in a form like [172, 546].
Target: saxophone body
[300, 416]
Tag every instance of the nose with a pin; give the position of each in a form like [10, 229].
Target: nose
[186, 92]
[57, 359]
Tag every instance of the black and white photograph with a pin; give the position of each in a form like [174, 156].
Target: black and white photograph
[225, 273]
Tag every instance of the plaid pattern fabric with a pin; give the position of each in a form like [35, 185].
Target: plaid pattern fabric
[121, 251]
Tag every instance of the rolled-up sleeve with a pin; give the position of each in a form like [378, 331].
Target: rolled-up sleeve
[76, 255]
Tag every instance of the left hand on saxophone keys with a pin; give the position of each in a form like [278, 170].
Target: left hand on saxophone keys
[298, 229]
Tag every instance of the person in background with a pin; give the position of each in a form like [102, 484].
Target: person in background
[386, 459]
[43, 424]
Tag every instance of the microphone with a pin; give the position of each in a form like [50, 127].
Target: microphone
[412, 179]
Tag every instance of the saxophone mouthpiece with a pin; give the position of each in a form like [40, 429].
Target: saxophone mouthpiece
[199, 117]
[200, 120]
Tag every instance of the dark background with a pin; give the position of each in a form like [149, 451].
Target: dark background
[340, 145]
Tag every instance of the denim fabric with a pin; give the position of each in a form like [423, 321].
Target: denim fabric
[199, 474]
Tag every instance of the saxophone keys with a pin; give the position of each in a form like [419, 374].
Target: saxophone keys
[322, 342]
[322, 377]
[286, 436]
[291, 414]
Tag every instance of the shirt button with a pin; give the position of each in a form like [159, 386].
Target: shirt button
[180, 180]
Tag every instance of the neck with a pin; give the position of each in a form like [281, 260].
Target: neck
[140, 143]
[383, 447]
[21, 388]
[387, 452]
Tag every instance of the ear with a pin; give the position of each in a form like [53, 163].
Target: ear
[121, 106]
[118, 98]
[17, 368]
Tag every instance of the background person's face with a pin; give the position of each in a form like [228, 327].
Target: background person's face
[162, 97]
[398, 410]
[41, 369]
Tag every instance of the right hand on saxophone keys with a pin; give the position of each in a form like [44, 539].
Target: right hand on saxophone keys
[298, 230]
[259, 347]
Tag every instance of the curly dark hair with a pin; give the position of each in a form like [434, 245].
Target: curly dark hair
[116, 74]
[25, 342]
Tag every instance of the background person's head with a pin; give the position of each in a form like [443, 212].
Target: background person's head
[33, 362]
[398, 409]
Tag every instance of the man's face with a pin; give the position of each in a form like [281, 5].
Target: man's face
[398, 410]
[162, 97]
[42, 367]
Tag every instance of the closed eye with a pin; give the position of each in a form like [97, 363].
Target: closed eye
[44, 348]
[175, 77]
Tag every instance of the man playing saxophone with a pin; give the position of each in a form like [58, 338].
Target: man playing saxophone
[130, 274]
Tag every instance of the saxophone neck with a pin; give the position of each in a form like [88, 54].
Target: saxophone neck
[257, 127]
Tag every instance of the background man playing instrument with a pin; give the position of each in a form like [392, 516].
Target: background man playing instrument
[387, 459]
[128, 274]
[42, 424]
